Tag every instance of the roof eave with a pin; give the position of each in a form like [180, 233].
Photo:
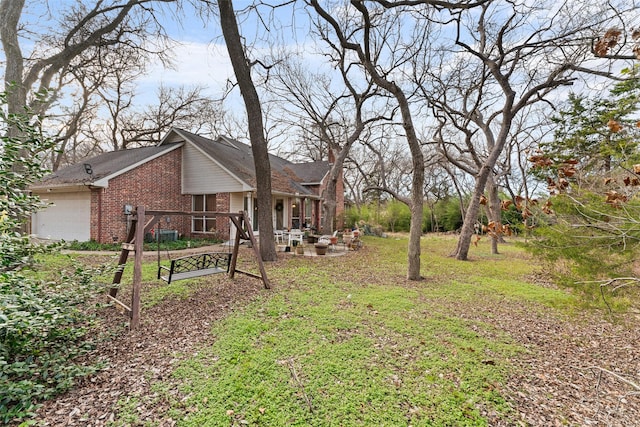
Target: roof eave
[71, 186]
[104, 181]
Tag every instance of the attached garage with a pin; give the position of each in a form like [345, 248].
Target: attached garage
[69, 217]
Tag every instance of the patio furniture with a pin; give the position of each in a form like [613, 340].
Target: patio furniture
[330, 240]
[295, 234]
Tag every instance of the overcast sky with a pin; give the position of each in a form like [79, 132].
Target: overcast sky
[201, 56]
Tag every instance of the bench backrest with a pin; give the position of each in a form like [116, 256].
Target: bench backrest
[204, 261]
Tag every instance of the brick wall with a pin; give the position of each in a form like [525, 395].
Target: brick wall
[340, 203]
[156, 185]
[223, 204]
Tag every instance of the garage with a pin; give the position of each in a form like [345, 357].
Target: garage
[69, 217]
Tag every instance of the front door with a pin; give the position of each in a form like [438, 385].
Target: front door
[279, 214]
[295, 213]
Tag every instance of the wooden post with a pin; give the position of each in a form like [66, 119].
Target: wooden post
[135, 241]
[128, 246]
[256, 250]
[124, 254]
[137, 270]
[236, 246]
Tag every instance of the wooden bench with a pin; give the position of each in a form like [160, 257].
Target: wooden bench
[191, 266]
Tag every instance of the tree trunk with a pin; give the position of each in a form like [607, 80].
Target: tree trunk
[464, 242]
[380, 79]
[256, 129]
[329, 203]
[10, 11]
[417, 185]
[495, 213]
[330, 197]
[329, 207]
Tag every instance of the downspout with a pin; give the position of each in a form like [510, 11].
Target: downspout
[99, 239]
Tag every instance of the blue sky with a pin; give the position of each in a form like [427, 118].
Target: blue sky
[200, 56]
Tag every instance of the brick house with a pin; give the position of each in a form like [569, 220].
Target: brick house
[183, 172]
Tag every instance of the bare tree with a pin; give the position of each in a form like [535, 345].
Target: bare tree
[528, 130]
[242, 69]
[334, 118]
[54, 69]
[438, 182]
[392, 170]
[102, 82]
[79, 29]
[362, 35]
[180, 107]
[117, 95]
[359, 170]
[499, 64]
[69, 122]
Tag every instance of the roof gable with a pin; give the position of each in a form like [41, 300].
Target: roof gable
[237, 158]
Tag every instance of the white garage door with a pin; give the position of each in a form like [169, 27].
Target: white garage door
[69, 217]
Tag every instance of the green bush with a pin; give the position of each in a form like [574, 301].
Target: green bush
[596, 239]
[396, 216]
[588, 242]
[513, 217]
[449, 214]
[355, 215]
[43, 327]
[181, 243]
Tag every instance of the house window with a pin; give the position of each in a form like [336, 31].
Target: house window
[203, 203]
[308, 209]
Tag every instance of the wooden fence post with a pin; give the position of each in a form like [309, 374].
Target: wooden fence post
[137, 270]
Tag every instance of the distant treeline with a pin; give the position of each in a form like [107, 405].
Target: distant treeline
[445, 215]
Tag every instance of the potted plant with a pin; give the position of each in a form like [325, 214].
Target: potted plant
[300, 249]
[347, 237]
[321, 248]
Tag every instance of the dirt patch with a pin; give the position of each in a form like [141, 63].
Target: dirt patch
[561, 378]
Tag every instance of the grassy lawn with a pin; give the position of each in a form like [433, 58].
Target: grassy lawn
[350, 342]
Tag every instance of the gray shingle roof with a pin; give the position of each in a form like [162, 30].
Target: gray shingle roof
[103, 165]
[286, 177]
[311, 172]
[236, 157]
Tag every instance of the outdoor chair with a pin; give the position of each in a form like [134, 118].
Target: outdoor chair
[295, 234]
[329, 239]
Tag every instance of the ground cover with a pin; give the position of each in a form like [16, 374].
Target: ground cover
[349, 341]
